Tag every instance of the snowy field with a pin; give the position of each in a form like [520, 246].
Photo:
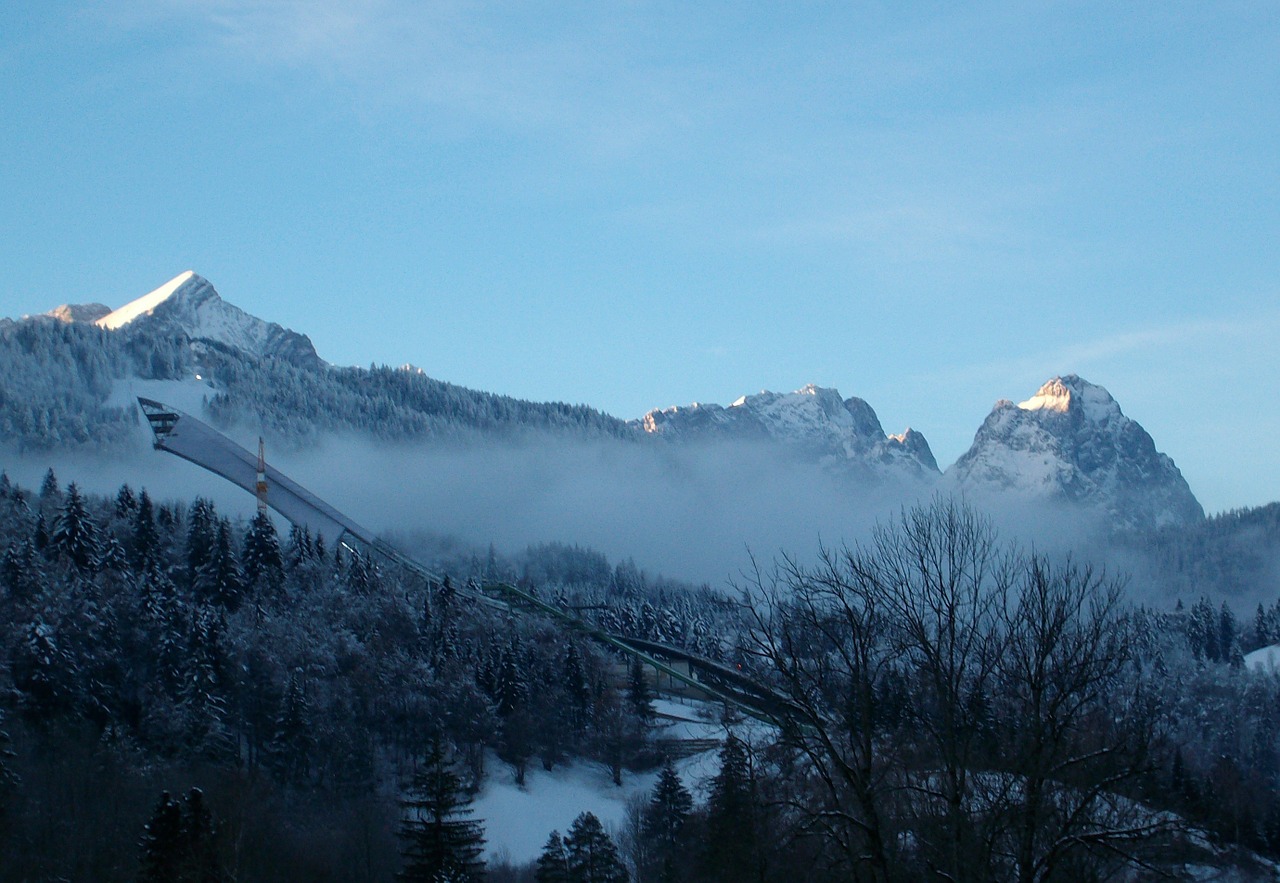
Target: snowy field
[518, 820]
[1266, 659]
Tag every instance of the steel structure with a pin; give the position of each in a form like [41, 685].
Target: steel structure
[187, 437]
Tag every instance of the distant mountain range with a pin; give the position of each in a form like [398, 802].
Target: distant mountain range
[1069, 443]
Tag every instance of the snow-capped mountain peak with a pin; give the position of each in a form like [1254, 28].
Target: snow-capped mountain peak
[1071, 441]
[1065, 394]
[146, 305]
[812, 419]
[188, 304]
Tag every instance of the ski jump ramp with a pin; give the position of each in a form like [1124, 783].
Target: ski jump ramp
[179, 433]
[195, 441]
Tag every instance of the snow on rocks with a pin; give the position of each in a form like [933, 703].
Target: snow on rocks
[189, 304]
[1071, 442]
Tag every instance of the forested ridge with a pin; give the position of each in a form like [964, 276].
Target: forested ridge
[55, 378]
[273, 705]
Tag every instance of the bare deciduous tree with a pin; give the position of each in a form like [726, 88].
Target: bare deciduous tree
[961, 710]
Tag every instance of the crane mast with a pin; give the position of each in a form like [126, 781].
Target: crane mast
[261, 487]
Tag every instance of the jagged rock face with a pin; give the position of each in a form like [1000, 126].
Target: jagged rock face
[189, 305]
[79, 312]
[1071, 442]
[812, 420]
[914, 445]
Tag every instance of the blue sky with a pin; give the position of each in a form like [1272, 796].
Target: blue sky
[632, 205]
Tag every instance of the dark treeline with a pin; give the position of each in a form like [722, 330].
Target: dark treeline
[191, 697]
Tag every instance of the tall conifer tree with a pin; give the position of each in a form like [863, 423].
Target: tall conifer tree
[439, 841]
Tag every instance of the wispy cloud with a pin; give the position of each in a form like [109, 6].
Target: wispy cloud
[1157, 346]
[535, 69]
[1136, 342]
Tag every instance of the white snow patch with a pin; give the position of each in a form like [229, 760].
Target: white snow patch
[1060, 392]
[1267, 659]
[1049, 402]
[517, 821]
[145, 304]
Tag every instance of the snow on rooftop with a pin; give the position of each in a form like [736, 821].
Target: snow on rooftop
[144, 304]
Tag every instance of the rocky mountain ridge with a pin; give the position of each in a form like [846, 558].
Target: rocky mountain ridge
[812, 419]
[1069, 443]
[189, 305]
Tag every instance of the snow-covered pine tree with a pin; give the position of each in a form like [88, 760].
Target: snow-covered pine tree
[145, 543]
[512, 697]
[291, 741]
[638, 693]
[44, 673]
[200, 692]
[49, 490]
[218, 579]
[126, 502]
[114, 558]
[512, 687]
[361, 574]
[1229, 637]
[577, 689]
[262, 560]
[1261, 627]
[299, 548]
[201, 535]
[20, 571]
[74, 533]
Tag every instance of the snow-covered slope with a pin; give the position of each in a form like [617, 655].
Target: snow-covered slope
[1266, 659]
[812, 419]
[1071, 442]
[189, 305]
